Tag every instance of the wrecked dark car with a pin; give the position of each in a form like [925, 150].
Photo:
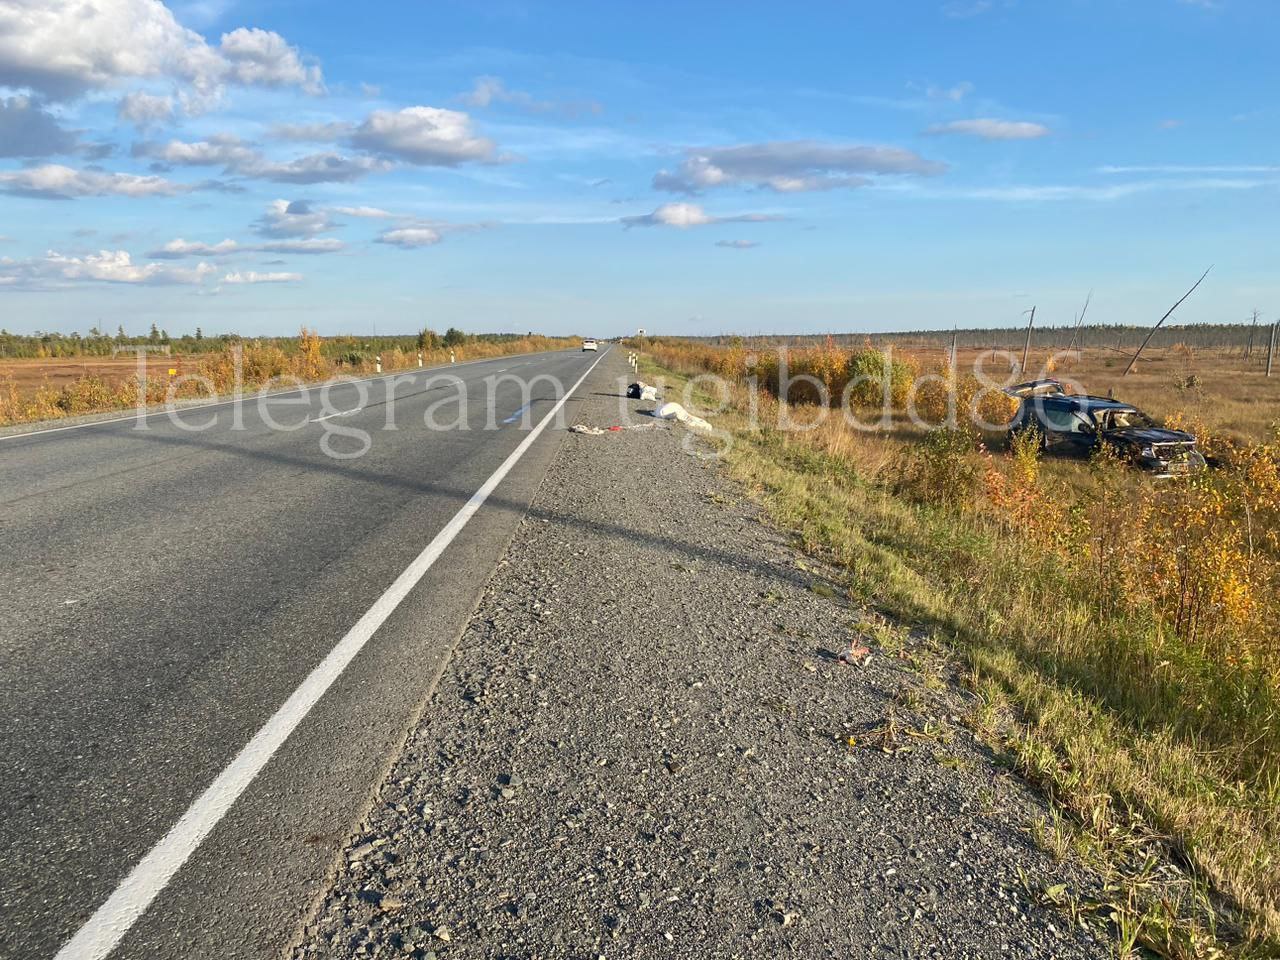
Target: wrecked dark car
[1078, 424]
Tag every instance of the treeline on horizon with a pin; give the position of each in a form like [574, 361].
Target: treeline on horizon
[1124, 337]
[97, 343]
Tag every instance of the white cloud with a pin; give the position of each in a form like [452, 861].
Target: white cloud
[368, 213]
[237, 157]
[106, 266]
[685, 215]
[315, 168]
[55, 180]
[297, 219]
[490, 90]
[1192, 168]
[989, 129]
[144, 110]
[262, 58]
[28, 131]
[307, 245]
[251, 276]
[738, 244]
[426, 136]
[223, 150]
[410, 238]
[1038, 193]
[179, 248]
[64, 48]
[791, 166]
[953, 94]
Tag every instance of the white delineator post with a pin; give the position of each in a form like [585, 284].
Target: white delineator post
[452, 357]
[378, 362]
[419, 358]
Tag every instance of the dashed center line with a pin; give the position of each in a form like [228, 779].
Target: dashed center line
[339, 413]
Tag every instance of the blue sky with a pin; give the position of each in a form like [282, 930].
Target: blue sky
[586, 167]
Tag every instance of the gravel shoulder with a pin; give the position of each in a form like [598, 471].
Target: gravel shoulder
[646, 745]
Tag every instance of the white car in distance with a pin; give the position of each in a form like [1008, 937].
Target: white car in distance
[590, 345]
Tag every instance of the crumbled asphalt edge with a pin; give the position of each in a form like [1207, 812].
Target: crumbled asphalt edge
[641, 749]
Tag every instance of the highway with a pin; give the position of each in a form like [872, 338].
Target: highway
[171, 596]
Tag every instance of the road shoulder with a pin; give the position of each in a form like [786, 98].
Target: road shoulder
[646, 744]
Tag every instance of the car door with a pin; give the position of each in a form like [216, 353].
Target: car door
[1054, 420]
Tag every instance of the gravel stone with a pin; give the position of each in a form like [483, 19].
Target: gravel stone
[655, 661]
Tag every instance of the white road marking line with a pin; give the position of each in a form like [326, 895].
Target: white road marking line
[516, 416]
[340, 413]
[111, 921]
[249, 397]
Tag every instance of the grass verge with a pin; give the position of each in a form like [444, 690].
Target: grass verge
[1189, 853]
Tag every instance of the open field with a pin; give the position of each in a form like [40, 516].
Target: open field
[50, 388]
[28, 376]
[1129, 625]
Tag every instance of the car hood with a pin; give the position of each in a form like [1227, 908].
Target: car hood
[1150, 435]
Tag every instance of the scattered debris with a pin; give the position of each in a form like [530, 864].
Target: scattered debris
[673, 411]
[597, 431]
[856, 656]
[642, 391]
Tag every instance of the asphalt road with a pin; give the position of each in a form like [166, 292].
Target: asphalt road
[165, 590]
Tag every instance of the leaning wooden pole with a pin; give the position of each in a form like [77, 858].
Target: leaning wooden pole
[1134, 362]
[1079, 320]
[1026, 347]
[1271, 347]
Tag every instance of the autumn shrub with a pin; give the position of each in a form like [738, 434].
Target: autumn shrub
[942, 469]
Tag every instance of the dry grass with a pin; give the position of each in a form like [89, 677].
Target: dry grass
[1151, 733]
[49, 389]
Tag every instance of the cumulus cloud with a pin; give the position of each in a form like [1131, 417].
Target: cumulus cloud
[145, 110]
[179, 248]
[426, 136]
[262, 58]
[685, 215]
[410, 238]
[368, 213]
[790, 166]
[222, 150]
[64, 48]
[490, 90]
[105, 266]
[252, 276]
[989, 129]
[285, 220]
[56, 181]
[26, 130]
[239, 158]
[737, 244]
[315, 168]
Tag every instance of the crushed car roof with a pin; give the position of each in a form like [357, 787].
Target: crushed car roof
[1083, 402]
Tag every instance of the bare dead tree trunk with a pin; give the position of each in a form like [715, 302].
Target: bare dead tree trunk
[1271, 347]
[1248, 351]
[1026, 346]
[955, 334]
[1134, 362]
